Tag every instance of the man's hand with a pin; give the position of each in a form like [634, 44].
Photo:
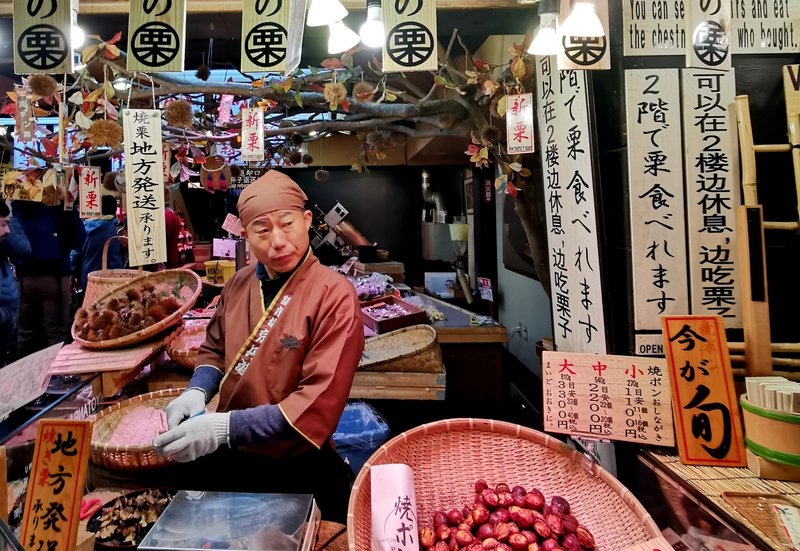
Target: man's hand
[194, 438]
[191, 402]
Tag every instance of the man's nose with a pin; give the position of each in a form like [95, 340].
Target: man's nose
[278, 239]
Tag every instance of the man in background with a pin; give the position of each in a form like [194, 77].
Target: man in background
[13, 243]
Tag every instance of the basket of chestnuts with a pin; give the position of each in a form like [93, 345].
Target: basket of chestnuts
[533, 493]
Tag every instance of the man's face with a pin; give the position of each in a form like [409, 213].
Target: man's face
[4, 229]
[279, 239]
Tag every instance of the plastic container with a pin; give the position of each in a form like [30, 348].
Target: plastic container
[361, 431]
[220, 271]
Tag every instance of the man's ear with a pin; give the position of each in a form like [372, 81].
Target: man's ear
[308, 217]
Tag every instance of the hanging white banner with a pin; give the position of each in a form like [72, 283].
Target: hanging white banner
[89, 192]
[410, 43]
[519, 123]
[144, 184]
[252, 134]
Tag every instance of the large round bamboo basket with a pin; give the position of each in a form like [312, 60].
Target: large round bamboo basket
[104, 281]
[410, 349]
[185, 282]
[127, 457]
[448, 456]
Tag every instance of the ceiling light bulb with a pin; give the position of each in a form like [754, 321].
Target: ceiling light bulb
[77, 36]
[583, 21]
[342, 38]
[546, 41]
[372, 32]
[325, 12]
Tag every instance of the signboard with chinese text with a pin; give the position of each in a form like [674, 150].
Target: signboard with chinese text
[613, 397]
[655, 180]
[166, 159]
[708, 33]
[265, 35]
[410, 43]
[575, 271]
[586, 52]
[252, 134]
[144, 187]
[90, 192]
[26, 122]
[706, 411]
[519, 123]
[42, 36]
[156, 35]
[55, 490]
[756, 27]
[711, 156]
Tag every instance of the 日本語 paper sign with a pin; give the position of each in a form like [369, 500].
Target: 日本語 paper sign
[156, 35]
[26, 122]
[711, 157]
[705, 407]
[655, 179]
[144, 184]
[265, 32]
[89, 192]
[42, 42]
[410, 43]
[708, 33]
[55, 489]
[252, 134]
[573, 251]
[519, 123]
[613, 397]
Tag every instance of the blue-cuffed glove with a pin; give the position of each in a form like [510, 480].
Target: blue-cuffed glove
[191, 402]
[194, 438]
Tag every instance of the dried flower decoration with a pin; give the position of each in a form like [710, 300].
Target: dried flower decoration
[179, 114]
[335, 93]
[105, 133]
[363, 91]
[42, 85]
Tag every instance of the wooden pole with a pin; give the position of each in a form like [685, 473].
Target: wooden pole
[791, 92]
[753, 278]
[746, 150]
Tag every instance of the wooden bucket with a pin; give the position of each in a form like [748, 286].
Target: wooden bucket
[101, 282]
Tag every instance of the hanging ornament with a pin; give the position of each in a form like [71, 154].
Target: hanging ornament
[215, 173]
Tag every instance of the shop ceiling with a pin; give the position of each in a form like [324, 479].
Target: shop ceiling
[216, 31]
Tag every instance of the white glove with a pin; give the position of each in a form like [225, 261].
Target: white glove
[194, 438]
[191, 402]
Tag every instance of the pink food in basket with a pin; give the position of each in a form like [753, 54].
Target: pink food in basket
[139, 427]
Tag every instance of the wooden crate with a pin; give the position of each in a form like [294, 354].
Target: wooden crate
[414, 316]
[398, 386]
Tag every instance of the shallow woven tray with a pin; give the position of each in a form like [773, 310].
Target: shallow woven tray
[103, 281]
[127, 457]
[183, 348]
[411, 349]
[190, 289]
[448, 456]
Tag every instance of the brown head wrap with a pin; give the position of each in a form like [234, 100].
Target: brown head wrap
[273, 191]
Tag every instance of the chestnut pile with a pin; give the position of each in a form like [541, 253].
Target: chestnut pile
[506, 519]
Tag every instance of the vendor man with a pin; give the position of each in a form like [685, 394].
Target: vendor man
[281, 351]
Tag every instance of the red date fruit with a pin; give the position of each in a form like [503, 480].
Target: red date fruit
[480, 486]
[455, 517]
[452, 544]
[502, 531]
[485, 531]
[549, 544]
[513, 526]
[541, 528]
[570, 543]
[502, 487]
[489, 543]
[440, 517]
[480, 513]
[505, 499]
[427, 537]
[476, 546]
[556, 527]
[440, 546]
[464, 537]
[534, 546]
[518, 490]
[585, 537]
[442, 532]
[560, 504]
[519, 499]
[534, 500]
[465, 526]
[503, 514]
[518, 542]
[490, 499]
[530, 536]
[523, 517]
[502, 547]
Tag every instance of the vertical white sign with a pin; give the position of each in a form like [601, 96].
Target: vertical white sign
[586, 52]
[655, 179]
[708, 28]
[26, 122]
[575, 270]
[41, 42]
[653, 28]
[144, 184]
[519, 123]
[410, 43]
[265, 35]
[252, 134]
[712, 192]
[89, 192]
[156, 35]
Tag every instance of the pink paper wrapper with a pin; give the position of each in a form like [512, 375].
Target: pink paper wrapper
[394, 508]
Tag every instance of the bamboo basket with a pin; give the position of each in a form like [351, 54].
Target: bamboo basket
[104, 281]
[190, 289]
[184, 346]
[127, 457]
[448, 456]
[411, 349]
